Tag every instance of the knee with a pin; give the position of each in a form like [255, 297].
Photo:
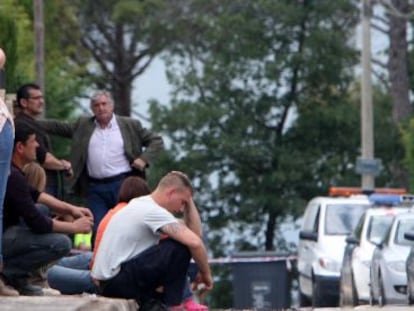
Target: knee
[179, 249]
[62, 244]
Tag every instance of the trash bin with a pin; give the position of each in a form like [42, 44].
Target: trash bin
[261, 280]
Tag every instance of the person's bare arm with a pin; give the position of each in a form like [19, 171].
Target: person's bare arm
[80, 225]
[53, 163]
[63, 208]
[192, 218]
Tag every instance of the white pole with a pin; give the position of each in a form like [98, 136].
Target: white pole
[367, 136]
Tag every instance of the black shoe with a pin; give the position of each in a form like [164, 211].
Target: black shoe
[26, 289]
[152, 305]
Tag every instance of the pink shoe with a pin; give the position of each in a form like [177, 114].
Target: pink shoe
[191, 305]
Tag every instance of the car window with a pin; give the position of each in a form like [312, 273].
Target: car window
[404, 225]
[341, 219]
[378, 226]
[310, 219]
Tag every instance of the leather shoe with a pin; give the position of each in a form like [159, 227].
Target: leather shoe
[6, 290]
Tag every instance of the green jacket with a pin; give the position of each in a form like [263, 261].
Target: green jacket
[135, 137]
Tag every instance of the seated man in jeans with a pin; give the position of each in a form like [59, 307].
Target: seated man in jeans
[132, 262]
[32, 240]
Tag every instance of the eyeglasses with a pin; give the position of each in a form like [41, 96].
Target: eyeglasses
[36, 97]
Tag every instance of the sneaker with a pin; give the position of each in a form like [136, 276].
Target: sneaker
[48, 291]
[191, 305]
[6, 290]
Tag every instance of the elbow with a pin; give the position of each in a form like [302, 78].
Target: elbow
[195, 243]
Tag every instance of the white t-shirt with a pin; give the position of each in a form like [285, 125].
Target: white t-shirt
[129, 232]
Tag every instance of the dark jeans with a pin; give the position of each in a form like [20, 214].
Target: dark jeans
[164, 264]
[101, 197]
[25, 251]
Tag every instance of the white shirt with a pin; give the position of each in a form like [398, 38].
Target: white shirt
[129, 232]
[106, 156]
[4, 115]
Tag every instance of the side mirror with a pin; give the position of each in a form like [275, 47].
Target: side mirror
[378, 242]
[409, 235]
[351, 239]
[308, 235]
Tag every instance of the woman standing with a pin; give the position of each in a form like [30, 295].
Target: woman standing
[6, 148]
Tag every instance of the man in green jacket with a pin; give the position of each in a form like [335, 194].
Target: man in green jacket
[106, 148]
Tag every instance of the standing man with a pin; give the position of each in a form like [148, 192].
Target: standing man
[106, 148]
[31, 103]
[132, 262]
[31, 239]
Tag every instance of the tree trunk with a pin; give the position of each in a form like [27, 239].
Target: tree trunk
[270, 232]
[398, 64]
[122, 97]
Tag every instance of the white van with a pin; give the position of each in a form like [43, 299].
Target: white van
[327, 221]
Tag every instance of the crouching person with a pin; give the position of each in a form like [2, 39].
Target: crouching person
[132, 262]
[31, 239]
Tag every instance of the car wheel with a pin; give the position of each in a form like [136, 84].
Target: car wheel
[381, 297]
[348, 297]
[372, 298]
[409, 294]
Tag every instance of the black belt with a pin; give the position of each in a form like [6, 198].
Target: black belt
[108, 180]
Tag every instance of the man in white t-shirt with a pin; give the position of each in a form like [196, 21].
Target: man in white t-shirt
[131, 262]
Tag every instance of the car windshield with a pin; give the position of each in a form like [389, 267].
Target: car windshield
[404, 225]
[341, 219]
[378, 226]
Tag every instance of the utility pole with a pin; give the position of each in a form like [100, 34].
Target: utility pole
[367, 165]
[39, 45]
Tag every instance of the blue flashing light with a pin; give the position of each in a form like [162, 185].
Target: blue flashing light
[384, 199]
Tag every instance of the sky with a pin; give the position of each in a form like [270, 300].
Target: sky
[152, 84]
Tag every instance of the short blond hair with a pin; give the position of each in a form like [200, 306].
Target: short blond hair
[35, 175]
[177, 179]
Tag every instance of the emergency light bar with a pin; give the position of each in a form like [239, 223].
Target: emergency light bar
[391, 199]
[348, 191]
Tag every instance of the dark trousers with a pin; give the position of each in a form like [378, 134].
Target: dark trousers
[164, 264]
[25, 251]
[101, 197]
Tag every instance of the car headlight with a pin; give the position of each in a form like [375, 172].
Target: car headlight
[398, 266]
[329, 264]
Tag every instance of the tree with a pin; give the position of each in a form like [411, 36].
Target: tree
[122, 38]
[251, 81]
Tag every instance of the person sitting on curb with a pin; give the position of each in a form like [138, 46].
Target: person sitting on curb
[41, 239]
[131, 261]
[36, 177]
[72, 275]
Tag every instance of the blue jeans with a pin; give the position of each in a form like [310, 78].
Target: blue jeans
[100, 198]
[6, 149]
[25, 251]
[71, 275]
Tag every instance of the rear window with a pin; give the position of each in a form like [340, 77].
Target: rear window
[341, 219]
